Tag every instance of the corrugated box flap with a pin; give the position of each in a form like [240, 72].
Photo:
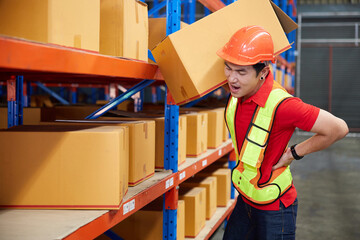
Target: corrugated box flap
[286, 22]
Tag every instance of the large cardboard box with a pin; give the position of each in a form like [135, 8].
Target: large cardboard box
[141, 145]
[31, 116]
[197, 132]
[63, 167]
[223, 176]
[124, 29]
[215, 127]
[188, 60]
[210, 183]
[195, 209]
[73, 23]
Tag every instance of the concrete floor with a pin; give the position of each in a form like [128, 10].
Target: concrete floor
[328, 186]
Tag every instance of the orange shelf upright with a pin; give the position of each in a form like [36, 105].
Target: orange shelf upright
[20, 56]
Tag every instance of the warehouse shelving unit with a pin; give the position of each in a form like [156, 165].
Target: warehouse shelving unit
[85, 224]
[53, 65]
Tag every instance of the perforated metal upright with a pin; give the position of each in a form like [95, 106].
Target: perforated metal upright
[15, 100]
[173, 15]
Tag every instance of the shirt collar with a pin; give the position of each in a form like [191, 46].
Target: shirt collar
[263, 93]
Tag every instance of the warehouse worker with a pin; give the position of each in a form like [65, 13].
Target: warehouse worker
[261, 117]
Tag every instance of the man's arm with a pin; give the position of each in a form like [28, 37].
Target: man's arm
[328, 129]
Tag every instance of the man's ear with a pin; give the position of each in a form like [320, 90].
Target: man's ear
[265, 71]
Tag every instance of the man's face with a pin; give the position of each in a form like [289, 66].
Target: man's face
[242, 80]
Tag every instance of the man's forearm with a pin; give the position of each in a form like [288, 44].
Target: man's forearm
[315, 143]
[333, 131]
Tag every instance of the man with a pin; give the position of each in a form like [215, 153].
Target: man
[261, 117]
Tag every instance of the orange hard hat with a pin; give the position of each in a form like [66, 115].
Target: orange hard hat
[248, 46]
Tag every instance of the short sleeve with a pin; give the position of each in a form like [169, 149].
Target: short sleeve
[293, 113]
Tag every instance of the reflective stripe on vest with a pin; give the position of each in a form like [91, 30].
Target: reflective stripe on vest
[246, 174]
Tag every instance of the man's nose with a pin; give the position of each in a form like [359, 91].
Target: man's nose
[232, 77]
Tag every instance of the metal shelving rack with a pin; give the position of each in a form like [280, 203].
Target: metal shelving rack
[52, 64]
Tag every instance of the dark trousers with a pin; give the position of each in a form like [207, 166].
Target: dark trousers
[247, 222]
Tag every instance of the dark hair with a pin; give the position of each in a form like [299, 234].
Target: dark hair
[258, 67]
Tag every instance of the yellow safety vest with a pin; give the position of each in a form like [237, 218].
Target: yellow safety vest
[246, 174]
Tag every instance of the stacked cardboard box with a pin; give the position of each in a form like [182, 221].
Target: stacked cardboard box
[73, 23]
[65, 167]
[195, 209]
[210, 183]
[215, 124]
[159, 135]
[124, 29]
[141, 145]
[215, 127]
[197, 131]
[223, 176]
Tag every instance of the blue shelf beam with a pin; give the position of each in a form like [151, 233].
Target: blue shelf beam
[156, 8]
[116, 101]
[52, 93]
[110, 234]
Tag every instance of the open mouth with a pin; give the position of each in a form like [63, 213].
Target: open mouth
[234, 88]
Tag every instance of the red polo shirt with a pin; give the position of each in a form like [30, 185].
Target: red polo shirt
[291, 113]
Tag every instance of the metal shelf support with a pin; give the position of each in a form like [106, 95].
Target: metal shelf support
[173, 15]
[15, 101]
[52, 93]
[155, 10]
[110, 234]
[138, 87]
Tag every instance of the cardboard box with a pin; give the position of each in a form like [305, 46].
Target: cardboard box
[73, 23]
[31, 116]
[147, 223]
[124, 29]
[141, 146]
[157, 31]
[159, 136]
[188, 60]
[63, 167]
[215, 127]
[142, 151]
[210, 183]
[197, 132]
[195, 209]
[223, 176]
[180, 231]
